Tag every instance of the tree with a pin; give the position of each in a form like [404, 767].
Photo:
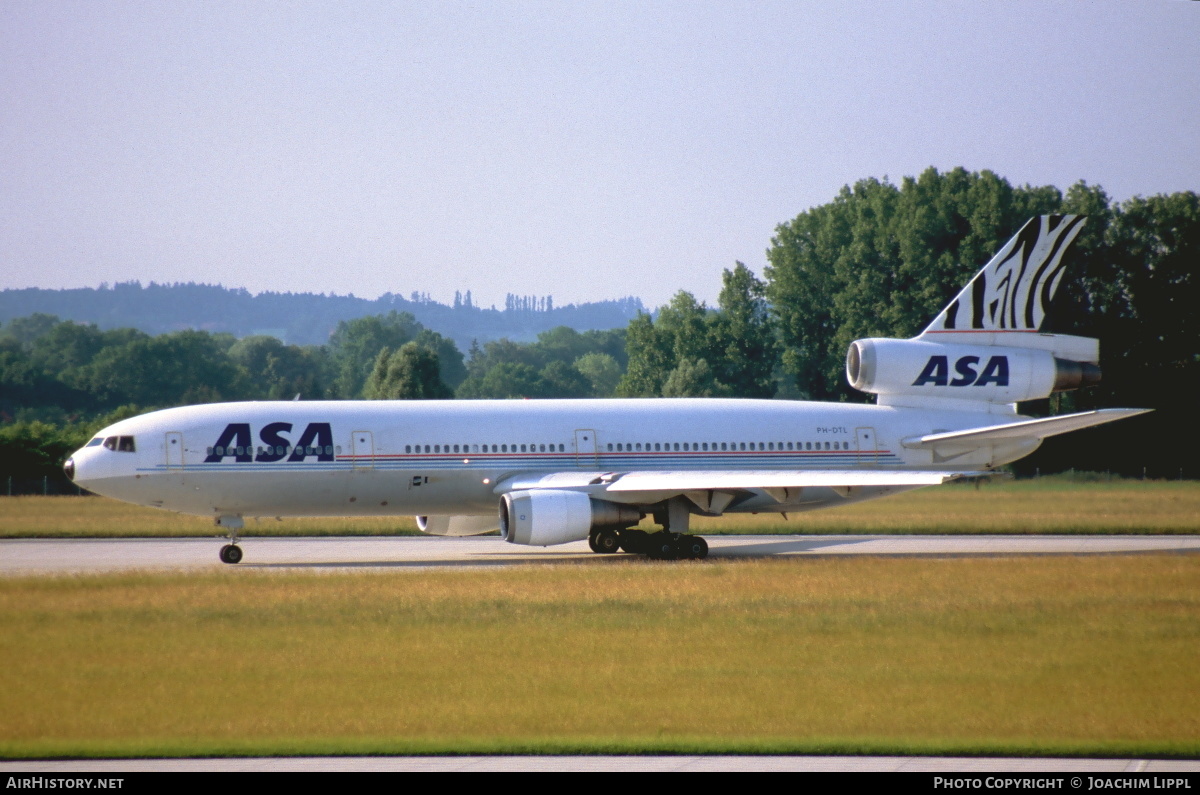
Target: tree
[601, 371]
[410, 373]
[651, 359]
[505, 380]
[694, 378]
[355, 346]
[883, 261]
[276, 371]
[170, 369]
[562, 380]
[742, 337]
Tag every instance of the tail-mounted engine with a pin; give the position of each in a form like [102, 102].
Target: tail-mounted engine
[905, 372]
[985, 349]
[545, 517]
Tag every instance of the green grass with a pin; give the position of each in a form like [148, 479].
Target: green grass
[1053, 655]
[100, 517]
[1045, 506]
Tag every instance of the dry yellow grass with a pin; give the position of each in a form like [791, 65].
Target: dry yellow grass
[1002, 507]
[1082, 655]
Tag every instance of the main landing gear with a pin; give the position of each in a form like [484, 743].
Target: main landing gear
[663, 545]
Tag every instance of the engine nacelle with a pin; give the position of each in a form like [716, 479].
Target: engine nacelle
[920, 369]
[545, 517]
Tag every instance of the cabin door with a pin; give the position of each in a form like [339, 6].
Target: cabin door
[362, 447]
[868, 449]
[585, 448]
[173, 453]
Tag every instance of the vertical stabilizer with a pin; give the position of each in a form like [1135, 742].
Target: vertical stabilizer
[1012, 291]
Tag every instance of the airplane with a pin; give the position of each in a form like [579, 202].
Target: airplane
[547, 472]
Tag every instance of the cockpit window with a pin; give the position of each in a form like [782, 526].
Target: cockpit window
[122, 444]
[95, 442]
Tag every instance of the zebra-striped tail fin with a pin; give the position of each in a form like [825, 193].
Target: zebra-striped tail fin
[1012, 291]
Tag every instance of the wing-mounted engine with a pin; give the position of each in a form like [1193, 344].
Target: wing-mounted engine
[544, 517]
[985, 349]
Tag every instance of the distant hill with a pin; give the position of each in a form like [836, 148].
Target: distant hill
[303, 318]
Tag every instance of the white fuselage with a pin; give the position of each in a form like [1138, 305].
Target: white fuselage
[359, 458]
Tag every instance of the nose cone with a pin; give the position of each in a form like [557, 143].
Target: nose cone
[69, 468]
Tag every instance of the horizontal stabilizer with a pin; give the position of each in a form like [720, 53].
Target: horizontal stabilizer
[1027, 429]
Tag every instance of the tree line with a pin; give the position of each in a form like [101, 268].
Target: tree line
[304, 318]
[879, 260]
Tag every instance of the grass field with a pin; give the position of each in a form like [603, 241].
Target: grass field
[1046, 655]
[1048, 505]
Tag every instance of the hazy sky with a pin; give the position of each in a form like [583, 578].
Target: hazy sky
[587, 150]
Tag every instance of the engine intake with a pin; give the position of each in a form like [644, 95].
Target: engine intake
[545, 517]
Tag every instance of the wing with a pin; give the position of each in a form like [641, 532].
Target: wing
[713, 490]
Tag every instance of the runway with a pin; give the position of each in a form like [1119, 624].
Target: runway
[629, 764]
[64, 556]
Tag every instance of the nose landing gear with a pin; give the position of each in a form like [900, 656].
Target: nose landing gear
[231, 552]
